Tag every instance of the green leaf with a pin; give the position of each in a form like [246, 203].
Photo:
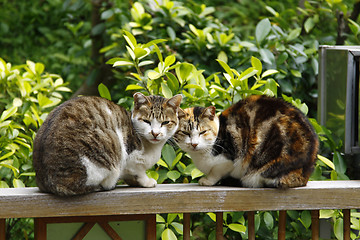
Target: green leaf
[8, 165]
[158, 53]
[252, 92]
[225, 67]
[257, 65]
[339, 162]
[18, 183]
[130, 39]
[173, 175]
[153, 75]
[104, 91]
[28, 174]
[306, 219]
[195, 173]
[168, 154]
[171, 217]
[144, 63]
[326, 161]
[171, 33]
[131, 52]
[327, 213]
[162, 163]
[178, 227]
[172, 81]
[262, 30]
[269, 220]
[113, 60]
[237, 227]
[168, 234]
[159, 219]
[194, 86]
[309, 24]
[272, 86]
[267, 56]
[269, 72]
[293, 34]
[3, 184]
[296, 73]
[39, 68]
[140, 52]
[169, 60]
[123, 62]
[248, 73]
[132, 87]
[8, 113]
[338, 228]
[43, 100]
[183, 71]
[222, 56]
[177, 159]
[212, 216]
[166, 91]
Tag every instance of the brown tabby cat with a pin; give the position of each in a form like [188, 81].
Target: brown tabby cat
[259, 142]
[86, 144]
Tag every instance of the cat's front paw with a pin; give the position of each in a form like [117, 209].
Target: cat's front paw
[204, 181]
[148, 183]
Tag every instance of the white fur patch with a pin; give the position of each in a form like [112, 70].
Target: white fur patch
[256, 180]
[98, 176]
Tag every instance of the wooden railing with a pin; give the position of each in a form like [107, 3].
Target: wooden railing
[127, 202]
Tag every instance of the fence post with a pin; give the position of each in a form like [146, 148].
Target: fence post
[2, 228]
[186, 226]
[282, 225]
[219, 226]
[346, 223]
[315, 224]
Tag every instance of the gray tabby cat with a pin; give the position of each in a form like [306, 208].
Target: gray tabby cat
[89, 143]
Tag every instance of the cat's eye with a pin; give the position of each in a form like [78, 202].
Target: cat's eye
[146, 121]
[185, 133]
[202, 132]
[165, 123]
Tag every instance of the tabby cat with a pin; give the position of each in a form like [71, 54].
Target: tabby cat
[89, 143]
[258, 142]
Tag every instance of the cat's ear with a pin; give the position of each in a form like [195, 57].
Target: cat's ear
[209, 112]
[181, 113]
[140, 99]
[175, 101]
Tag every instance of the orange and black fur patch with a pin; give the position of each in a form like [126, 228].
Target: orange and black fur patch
[269, 137]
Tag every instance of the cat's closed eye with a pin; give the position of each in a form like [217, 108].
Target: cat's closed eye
[146, 121]
[186, 133]
[202, 132]
[165, 123]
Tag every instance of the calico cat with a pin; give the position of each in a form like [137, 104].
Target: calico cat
[89, 143]
[258, 142]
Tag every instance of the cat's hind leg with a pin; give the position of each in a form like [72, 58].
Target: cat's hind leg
[293, 179]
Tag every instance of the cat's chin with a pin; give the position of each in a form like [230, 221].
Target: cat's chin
[155, 140]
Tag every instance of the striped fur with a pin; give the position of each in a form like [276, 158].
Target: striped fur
[88, 143]
[260, 142]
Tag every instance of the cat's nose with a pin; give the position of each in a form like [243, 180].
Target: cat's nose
[155, 134]
[194, 145]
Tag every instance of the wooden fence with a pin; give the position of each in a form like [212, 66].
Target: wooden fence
[143, 203]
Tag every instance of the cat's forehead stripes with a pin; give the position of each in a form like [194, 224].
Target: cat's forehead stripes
[192, 117]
